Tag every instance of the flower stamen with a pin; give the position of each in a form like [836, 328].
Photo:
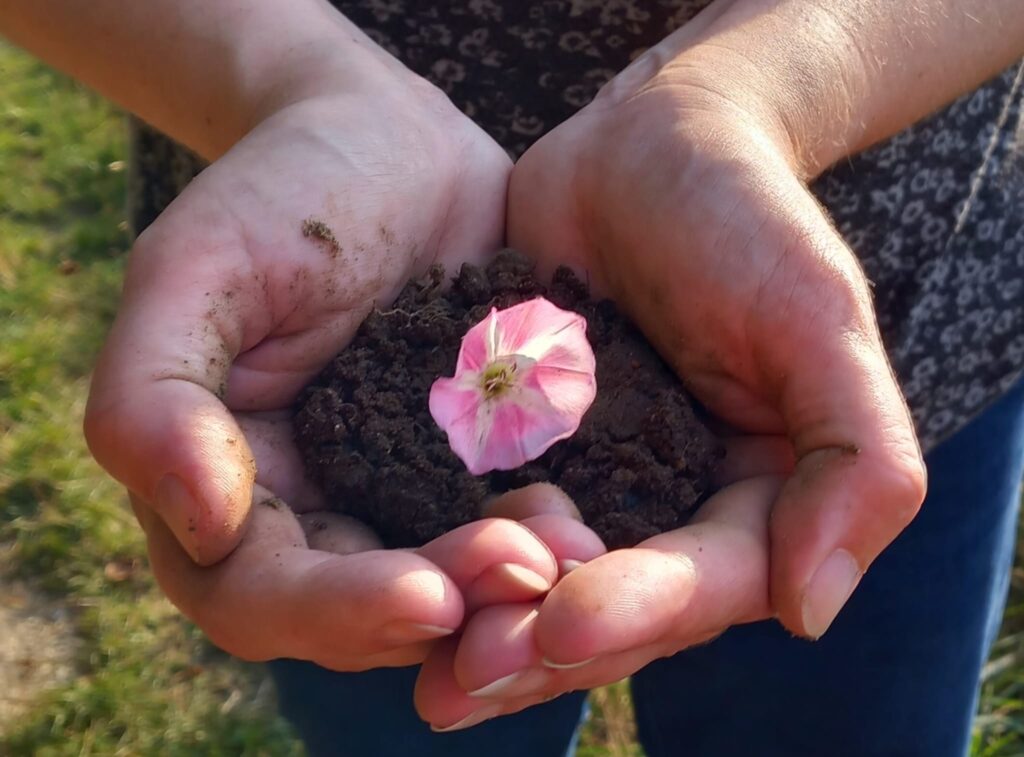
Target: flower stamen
[498, 377]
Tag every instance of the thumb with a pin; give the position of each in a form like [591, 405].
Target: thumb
[859, 478]
[154, 419]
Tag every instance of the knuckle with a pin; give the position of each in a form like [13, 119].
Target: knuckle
[816, 280]
[903, 489]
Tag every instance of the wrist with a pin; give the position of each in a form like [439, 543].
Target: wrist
[792, 71]
[313, 53]
[810, 115]
[833, 77]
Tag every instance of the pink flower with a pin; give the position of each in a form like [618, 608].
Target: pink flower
[524, 379]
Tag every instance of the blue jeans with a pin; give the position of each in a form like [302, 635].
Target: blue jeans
[896, 675]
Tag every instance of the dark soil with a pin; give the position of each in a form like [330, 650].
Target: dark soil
[640, 463]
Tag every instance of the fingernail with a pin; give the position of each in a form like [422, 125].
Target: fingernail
[179, 510]
[828, 590]
[522, 577]
[566, 665]
[474, 718]
[517, 684]
[568, 566]
[403, 632]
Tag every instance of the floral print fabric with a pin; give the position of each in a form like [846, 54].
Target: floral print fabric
[936, 214]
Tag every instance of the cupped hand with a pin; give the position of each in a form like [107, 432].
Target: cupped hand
[321, 588]
[235, 297]
[679, 192]
[617, 612]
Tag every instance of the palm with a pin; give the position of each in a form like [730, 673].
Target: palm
[313, 223]
[692, 217]
[264, 267]
[673, 203]
[695, 233]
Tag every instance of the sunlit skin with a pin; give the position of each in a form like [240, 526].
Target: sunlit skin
[686, 178]
[681, 192]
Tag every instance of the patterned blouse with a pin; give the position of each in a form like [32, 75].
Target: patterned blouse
[936, 214]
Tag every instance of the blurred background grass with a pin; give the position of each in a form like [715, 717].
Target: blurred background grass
[143, 680]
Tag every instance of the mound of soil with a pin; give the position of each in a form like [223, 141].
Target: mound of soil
[640, 463]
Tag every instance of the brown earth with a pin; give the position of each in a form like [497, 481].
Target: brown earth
[640, 463]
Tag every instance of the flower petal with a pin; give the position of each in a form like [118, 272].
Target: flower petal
[544, 398]
[477, 348]
[516, 428]
[452, 400]
[541, 423]
[568, 392]
[533, 328]
[469, 435]
[572, 353]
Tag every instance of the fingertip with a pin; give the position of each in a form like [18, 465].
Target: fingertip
[828, 591]
[571, 542]
[436, 689]
[178, 447]
[474, 549]
[178, 509]
[617, 601]
[839, 511]
[536, 499]
[505, 583]
[497, 642]
[565, 567]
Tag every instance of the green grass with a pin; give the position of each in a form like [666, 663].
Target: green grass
[999, 727]
[147, 682]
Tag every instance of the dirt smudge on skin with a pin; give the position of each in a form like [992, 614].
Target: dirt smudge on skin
[314, 228]
[274, 503]
[387, 235]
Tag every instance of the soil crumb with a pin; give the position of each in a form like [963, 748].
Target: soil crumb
[639, 465]
[321, 232]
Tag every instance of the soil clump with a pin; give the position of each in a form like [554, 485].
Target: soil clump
[640, 464]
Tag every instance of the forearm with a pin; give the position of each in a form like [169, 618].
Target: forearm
[840, 75]
[204, 72]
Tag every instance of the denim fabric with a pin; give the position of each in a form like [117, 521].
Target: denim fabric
[371, 715]
[896, 676]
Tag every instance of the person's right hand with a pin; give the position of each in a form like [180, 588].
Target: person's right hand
[236, 296]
